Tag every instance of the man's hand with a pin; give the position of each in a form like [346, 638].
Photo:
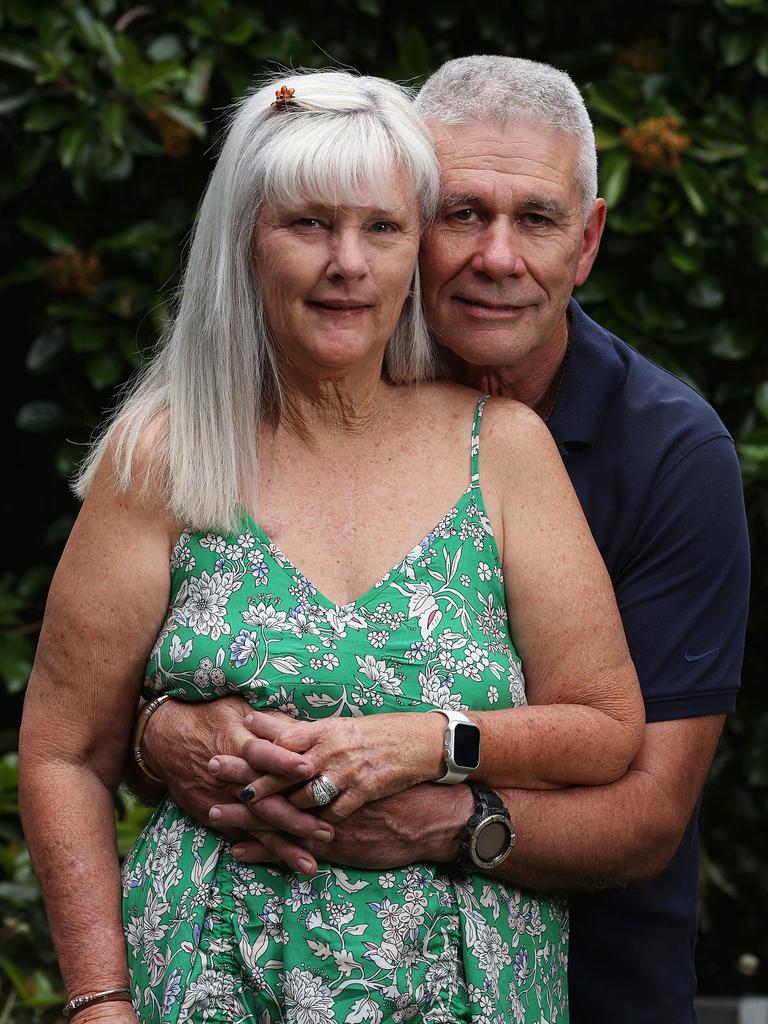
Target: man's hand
[420, 824]
[180, 742]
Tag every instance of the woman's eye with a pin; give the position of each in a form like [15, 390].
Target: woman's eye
[383, 227]
[307, 222]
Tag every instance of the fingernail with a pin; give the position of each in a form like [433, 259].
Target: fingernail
[305, 865]
[303, 769]
[247, 794]
[214, 764]
[323, 835]
[238, 851]
[215, 813]
[248, 721]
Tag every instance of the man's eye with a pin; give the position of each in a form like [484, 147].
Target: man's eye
[536, 220]
[464, 216]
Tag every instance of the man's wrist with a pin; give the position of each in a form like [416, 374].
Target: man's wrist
[450, 808]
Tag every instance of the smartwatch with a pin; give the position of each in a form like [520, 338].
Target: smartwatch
[488, 836]
[462, 746]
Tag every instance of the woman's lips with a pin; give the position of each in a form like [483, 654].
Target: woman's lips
[342, 308]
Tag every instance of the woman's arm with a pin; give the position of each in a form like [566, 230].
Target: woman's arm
[586, 715]
[107, 602]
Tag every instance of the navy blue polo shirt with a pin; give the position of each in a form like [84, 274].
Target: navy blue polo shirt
[657, 475]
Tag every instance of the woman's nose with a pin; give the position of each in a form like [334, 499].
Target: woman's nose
[347, 255]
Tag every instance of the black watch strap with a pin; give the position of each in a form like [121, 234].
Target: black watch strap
[488, 807]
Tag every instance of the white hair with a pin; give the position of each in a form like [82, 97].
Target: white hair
[506, 90]
[341, 138]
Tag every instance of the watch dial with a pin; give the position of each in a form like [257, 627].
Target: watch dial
[466, 746]
[491, 840]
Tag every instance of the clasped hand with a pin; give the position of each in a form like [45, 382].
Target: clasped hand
[367, 758]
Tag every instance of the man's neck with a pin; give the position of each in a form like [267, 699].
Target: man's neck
[535, 381]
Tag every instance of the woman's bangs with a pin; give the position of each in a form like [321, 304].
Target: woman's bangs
[348, 166]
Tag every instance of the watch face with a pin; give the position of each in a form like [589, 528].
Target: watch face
[466, 746]
[491, 840]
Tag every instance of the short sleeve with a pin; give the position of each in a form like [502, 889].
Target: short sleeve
[683, 591]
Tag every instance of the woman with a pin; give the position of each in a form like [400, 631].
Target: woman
[272, 432]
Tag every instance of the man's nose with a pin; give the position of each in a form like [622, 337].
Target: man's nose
[499, 251]
[347, 255]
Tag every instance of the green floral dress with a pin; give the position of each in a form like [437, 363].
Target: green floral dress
[210, 939]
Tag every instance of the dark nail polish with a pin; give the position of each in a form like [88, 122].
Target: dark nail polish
[247, 794]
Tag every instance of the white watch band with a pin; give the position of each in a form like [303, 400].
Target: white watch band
[453, 775]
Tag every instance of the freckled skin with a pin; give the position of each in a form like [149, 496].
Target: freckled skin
[512, 238]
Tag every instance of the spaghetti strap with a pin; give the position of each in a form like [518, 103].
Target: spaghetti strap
[475, 464]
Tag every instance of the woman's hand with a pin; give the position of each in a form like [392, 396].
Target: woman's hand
[367, 758]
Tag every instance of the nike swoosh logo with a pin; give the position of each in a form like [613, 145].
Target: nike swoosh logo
[697, 657]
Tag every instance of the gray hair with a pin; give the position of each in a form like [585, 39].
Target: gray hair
[510, 89]
[215, 376]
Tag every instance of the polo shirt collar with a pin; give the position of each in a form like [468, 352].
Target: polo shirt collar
[593, 376]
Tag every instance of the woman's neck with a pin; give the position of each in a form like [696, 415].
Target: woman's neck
[324, 406]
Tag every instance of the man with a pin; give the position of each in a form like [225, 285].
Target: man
[658, 479]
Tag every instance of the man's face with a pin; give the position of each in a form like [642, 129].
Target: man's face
[510, 243]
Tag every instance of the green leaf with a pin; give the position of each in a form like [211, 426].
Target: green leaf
[733, 340]
[608, 103]
[152, 77]
[606, 139]
[413, 55]
[104, 369]
[186, 118]
[45, 116]
[87, 337]
[44, 352]
[113, 118]
[144, 235]
[697, 187]
[614, 173]
[761, 58]
[705, 293]
[736, 47]
[71, 143]
[196, 88]
[23, 272]
[17, 652]
[40, 416]
[96, 35]
[15, 101]
[19, 56]
[54, 236]
[370, 7]
[165, 48]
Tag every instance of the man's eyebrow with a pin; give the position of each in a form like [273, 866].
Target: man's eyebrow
[460, 199]
[543, 205]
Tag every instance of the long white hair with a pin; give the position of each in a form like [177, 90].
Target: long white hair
[214, 377]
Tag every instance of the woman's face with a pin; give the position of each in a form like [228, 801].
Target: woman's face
[334, 279]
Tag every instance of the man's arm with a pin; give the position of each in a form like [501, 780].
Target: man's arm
[584, 837]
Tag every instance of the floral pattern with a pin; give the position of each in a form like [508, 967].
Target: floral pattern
[210, 939]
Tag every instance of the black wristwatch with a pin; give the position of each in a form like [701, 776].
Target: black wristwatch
[488, 836]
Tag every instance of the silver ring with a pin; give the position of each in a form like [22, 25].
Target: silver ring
[324, 790]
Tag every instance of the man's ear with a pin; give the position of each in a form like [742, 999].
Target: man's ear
[593, 232]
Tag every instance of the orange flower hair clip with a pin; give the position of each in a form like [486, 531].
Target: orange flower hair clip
[283, 98]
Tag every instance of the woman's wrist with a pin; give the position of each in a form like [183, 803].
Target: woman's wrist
[431, 746]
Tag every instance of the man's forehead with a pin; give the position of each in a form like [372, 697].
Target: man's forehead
[483, 157]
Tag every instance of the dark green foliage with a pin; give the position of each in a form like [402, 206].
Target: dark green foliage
[109, 121]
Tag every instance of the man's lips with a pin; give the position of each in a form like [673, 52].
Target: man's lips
[495, 307]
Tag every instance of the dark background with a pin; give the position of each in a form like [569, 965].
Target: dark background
[109, 120]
